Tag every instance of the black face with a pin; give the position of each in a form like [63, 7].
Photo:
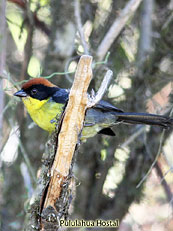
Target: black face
[40, 91]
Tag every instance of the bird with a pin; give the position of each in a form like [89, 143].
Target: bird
[45, 102]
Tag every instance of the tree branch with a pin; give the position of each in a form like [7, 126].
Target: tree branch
[116, 27]
[105, 83]
[146, 33]
[68, 137]
[79, 26]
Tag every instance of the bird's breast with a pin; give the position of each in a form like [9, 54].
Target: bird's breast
[43, 112]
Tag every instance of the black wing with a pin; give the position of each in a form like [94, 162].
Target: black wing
[106, 106]
[62, 96]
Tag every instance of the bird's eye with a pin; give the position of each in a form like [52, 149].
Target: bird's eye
[33, 91]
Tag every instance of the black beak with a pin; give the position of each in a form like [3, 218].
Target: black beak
[20, 93]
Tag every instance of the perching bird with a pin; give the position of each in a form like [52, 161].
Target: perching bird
[45, 103]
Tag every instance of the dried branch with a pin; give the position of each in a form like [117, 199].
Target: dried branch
[52, 197]
[68, 137]
[105, 83]
[79, 26]
[116, 27]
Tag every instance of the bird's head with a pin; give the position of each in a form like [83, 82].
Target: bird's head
[37, 88]
[36, 92]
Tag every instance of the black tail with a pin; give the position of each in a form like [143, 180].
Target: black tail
[144, 118]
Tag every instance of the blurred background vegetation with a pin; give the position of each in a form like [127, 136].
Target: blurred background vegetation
[39, 38]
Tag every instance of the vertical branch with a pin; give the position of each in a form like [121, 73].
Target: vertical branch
[146, 32]
[27, 52]
[79, 26]
[67, 139]
[23, 74]
[2, 60]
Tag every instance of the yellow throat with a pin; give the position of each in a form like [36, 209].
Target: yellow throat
[43, 112]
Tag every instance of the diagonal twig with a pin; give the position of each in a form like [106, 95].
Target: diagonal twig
[104, 85]
[166, 187]
[154, 162]
[116, 27]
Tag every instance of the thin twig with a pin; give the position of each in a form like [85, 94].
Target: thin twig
[164, 183]
[166, 173]
[154, 162]
[69, 60]
[133, 136]
[27, 161]
[79, 26]
[168, 21]
[116, 27]
[105, 83]
[105, 61]
[27, 179]
[159, 170]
